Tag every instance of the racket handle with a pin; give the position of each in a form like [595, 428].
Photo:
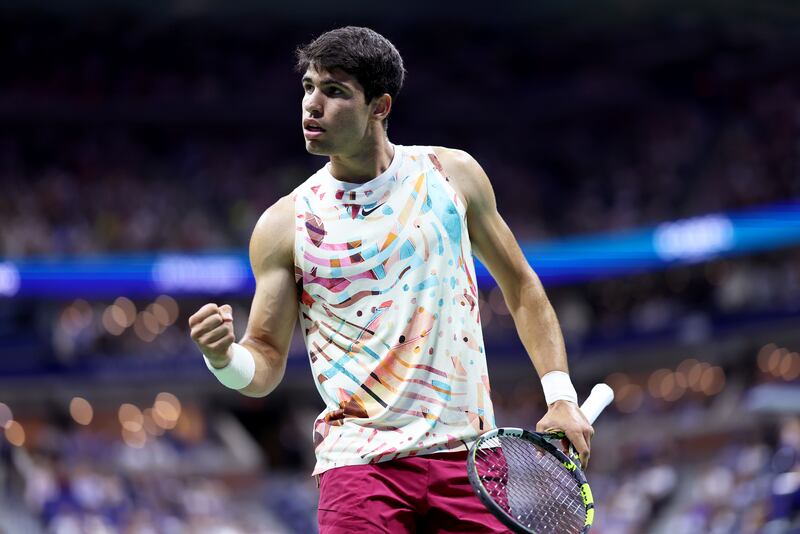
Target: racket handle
[600, 397]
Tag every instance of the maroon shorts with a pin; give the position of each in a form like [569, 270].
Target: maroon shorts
[418, 494]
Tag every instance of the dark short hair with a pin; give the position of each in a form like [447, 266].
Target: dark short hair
[363, 53]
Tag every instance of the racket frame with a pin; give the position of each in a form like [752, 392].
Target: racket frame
[545, 441]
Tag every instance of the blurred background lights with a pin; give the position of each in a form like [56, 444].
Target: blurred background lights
[686, 366]
[712, 381]
[128, 310]
[654, 383]
[9, 279]
[166, 410]
[130, 417]
[15, 434]
[617, 381]
[145, 326]
[134, 438]
[629, 398]
[119, 316]
[790, 366]
[680, 380]
[764, 357]
[150, 322]
[160, 315]
[81, 411]
[6, 416]
[149, 423]
[671, 387]
[170, 305]
[113, 320]
[695, 376]
[76, 316]
[161, 421]
[775, 359]
[191, 426]
[165, 311]
[778, 362]
[690, 375]
[147, 323]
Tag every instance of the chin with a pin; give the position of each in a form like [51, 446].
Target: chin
[316, 149]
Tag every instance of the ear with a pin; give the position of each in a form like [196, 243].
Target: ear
[382, 106]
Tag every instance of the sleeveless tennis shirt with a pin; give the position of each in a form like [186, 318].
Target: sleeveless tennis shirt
[389, 312]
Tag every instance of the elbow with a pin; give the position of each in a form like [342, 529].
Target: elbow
[527, 293]
[254, 393]
[265, 381]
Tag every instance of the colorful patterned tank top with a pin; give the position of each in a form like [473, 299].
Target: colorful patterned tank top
[389, 311]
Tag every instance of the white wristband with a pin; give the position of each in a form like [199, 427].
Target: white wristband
[240, 370]
[557, 386]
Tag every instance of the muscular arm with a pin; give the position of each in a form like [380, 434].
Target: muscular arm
[536, 322]
[274, 309]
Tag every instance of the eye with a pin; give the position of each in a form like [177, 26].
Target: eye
[308, 88]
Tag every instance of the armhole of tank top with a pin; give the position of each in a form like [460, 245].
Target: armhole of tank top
[461, 205]
[296, 194]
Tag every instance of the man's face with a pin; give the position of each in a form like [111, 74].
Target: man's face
[335, 112]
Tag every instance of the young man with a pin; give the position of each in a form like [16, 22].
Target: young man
[374, 253]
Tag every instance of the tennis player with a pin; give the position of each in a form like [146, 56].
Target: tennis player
[373, 253]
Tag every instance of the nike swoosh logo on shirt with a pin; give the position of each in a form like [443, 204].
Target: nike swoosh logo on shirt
[366, 212]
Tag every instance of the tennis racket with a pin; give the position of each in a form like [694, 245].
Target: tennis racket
[527, 481]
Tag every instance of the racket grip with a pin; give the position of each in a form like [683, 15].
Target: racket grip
[600, 397]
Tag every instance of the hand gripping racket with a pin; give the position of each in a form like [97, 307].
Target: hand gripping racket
[529, 483]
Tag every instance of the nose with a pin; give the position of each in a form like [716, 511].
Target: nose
[312, 104]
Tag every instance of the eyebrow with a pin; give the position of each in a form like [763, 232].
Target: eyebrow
[324, 81]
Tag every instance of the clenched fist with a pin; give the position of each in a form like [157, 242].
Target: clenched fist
[212, 331]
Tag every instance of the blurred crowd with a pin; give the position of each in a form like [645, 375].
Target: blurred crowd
[89, 478]
[176, 136]
[751, 485]
[76, 476]
[109, 192]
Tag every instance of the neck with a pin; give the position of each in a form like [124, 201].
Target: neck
[369, 162]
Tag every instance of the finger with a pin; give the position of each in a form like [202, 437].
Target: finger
[214, 336]
[579, 442]
[226, 312]
[200, 332]
[543, 425]
[588, 438]
[209, 323]
[200, 315]
[221, 345]
[206, 327]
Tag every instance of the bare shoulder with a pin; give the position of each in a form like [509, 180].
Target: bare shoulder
[272, 242]
[455, 159]
[465, 174]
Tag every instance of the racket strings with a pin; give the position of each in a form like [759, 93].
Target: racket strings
[531, 485]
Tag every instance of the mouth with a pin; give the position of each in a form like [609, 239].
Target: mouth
[312, 130]
[312, 133]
